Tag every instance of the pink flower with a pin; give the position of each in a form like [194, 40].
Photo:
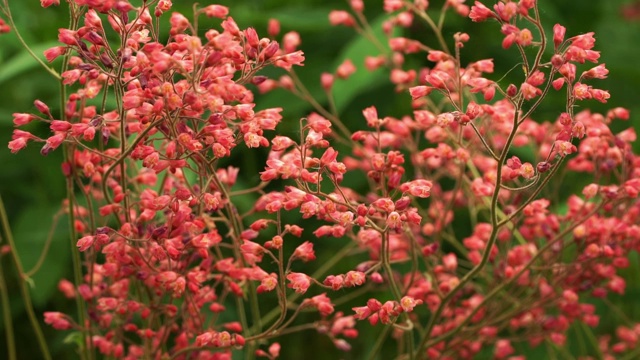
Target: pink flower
[304, 252]
[85, 243]
[47, 3]
[299, 282]
[57, 320]
[217, 11]
[345, 69]
[479, 12]
[340, 17]
[408, 303]
[54, 52]
[322, 303]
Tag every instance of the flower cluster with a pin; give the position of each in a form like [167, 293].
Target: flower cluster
[170, 260]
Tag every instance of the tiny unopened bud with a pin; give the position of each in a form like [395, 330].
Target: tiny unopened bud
[271, 50]
[557, 61]
[326, 79]
[257, 80]
[543, 166]
[42, 107]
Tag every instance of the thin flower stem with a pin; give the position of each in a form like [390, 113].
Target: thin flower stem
[6, 316]
[484, 142]
[45, 250]
[28, 305]
[375, 351]
[433, 26]
[77, 270]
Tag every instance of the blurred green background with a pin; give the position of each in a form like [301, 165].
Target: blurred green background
[32, 186]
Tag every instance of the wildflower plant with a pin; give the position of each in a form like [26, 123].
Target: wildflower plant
[167, 265]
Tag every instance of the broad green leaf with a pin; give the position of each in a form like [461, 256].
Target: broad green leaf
[23, 62]
[30, 232]
[362, 80]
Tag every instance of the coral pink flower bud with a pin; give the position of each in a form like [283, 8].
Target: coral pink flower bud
[354, 278]
[268, 283]
[408, 303]
[217, 11]
[273, 28]
[600, 95]
[598, 72]
[524, 37]
[42, 107]
[54, 52]
[67, 37]
[393, 5]
[377, 278]
[394, 220]
[305, 252]
[336, 282]
[557, 61]
[419, 91]
[47, 3]
[288, 60]
[299, 282]
[17, 144]
[85, 243]
[558, 34]
[326, 79]
[584, 41]
[479, 12]
[291, 41]
[489, 93]
[450, 262]
[512, 90]
[345, 69]
[503, 349]
[617, 285]
[529, 91]
[371, 115]
[20, 119]
[437, 79]
[402, 203]
[543, 167]
[270, 50]
[252, 37]
[342, 344]
[372, 63]
[527, 171]
[362, 312]
[558, 83]
[230, 26]
[505, 11]
[357, 5]
[58, 125]
[340, 17]
[618, 113]
[57, 320]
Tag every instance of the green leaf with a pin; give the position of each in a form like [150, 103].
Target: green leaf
[362, 80]
[30, 232]
[74, 338]
[23, 62]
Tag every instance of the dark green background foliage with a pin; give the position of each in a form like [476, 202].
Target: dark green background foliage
[33, 187]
